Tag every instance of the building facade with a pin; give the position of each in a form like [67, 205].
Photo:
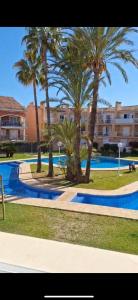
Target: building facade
[57, 116]
[113, 125]
[117, 124]
[12, 120]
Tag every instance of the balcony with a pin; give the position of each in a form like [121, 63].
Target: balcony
[98, 134]
[107, 121]
[124, 121]
[123, 135]
[107, 134]
[11, 124]
[136, 120]
[9, 138]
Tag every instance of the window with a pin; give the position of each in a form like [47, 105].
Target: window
[61, 118]
[125, 116]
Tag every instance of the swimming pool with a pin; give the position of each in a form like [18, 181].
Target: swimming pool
[13, 186]
[98, 162]
[128, 201]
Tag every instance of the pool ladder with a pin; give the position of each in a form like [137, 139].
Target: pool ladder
[2, 196]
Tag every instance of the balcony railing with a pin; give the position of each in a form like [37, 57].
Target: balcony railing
[11, 124]
[107, 121]
[102, 134]
[107, 134]
[98, 134]
[124, 121]
[9, 138]
[127, 135]
[136, 120]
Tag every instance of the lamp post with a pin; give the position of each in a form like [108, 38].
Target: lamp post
[59, 146]
[120, 145]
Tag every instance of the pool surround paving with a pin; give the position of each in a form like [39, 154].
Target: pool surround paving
[64, 200]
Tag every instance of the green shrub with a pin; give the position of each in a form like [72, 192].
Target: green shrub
[8, 148]
[109, 149]
[95, 145]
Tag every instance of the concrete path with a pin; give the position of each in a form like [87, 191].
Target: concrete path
[51, 256]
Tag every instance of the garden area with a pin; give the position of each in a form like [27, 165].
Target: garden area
[75, 62]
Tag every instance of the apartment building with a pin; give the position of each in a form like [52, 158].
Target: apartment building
[113, 125]
[12, 120]
[57, 116]
[117, 124]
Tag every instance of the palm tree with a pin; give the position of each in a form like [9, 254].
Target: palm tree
[45, 41]
[103, 46]
[28, 74]
[65, 133]
[76, 85]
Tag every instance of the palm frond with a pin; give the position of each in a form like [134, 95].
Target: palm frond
[123, 72]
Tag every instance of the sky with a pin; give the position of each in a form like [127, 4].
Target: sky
[11, 51]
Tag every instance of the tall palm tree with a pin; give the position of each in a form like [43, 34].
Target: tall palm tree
[28, 74]
[45, 41]
[76, 85]
[103, 46]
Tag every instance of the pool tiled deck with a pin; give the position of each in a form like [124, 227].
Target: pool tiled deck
[64, 201]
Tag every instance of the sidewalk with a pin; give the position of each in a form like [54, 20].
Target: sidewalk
[51, 256]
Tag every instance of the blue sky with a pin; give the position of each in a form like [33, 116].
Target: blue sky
[11, 51]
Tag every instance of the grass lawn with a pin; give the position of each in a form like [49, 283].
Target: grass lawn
[102, 180]
[109, 180]
[85, 229]
[18, 156]
[131, 156]
[44, 170]
[23, 156]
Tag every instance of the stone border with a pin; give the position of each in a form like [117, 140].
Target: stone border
[63, 202]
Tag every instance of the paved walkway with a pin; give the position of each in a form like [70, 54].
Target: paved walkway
[51, 256]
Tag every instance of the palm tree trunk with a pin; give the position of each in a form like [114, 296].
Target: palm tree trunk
[50, 148]
[37, 130]
[77, 119]
[69, 174]
[92, 122]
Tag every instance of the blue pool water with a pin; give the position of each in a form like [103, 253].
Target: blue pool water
[13, 186]
[99, 162]
[129, 201]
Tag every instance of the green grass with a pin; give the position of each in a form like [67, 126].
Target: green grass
[44, 170]
[133, 157]
[24, 156]
[84, 229]
[102, 180]
[18, 156]
[109, 180]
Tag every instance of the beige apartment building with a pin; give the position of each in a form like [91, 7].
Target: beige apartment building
[57, 115]
[114, 124]
[117, 124]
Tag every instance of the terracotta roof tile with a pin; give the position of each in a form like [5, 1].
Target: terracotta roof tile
[9, 103]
